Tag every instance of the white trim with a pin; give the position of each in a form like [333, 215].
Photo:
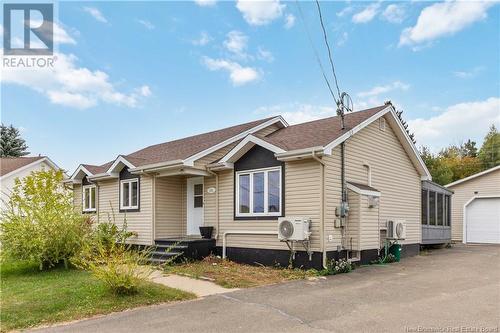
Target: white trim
[44, 159]
[157, 166]
[300, 153]
[473, 176]
[90, 187]
[190, 218]
[245, 145]
[130, 181]
[82, 169]
[464, 224]
[266, 192]
[235, 138]
[356, 189]
[119, 159]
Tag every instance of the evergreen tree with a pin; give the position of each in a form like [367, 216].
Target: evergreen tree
[11, 143]
[489, 154]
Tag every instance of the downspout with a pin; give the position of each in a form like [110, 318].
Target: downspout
[322, 209]
[216, 202]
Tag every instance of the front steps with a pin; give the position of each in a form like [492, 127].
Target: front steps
[176, 249]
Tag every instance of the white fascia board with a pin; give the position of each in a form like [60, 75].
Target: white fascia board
[220, 166]
[118, 160]
[329, 147]
[300, 153]
[157, 166]
[190, 160]
[245, 145]
[103, 176]
[80, 168]
[473, 176]
[363, 192]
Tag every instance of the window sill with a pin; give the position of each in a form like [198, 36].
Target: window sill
[89, 211]
[256, 218]
[130, 210]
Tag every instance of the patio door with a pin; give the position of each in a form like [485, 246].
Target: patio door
[194, 205]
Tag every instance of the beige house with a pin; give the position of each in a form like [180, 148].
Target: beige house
[476, 208]
[243, 179]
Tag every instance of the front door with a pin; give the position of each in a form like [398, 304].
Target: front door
[194, 205]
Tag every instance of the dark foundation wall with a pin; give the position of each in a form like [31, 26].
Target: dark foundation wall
[281, 258]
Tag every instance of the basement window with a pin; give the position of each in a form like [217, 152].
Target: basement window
[88, 199]
[258, 192]
[129, 194]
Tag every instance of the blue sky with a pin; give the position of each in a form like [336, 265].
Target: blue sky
[132, 74]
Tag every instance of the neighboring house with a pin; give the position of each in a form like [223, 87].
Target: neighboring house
[476, 207]
[20, 167]
[241, 179]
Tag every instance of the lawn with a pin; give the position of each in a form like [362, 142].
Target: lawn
[30, 297]
[229, 274]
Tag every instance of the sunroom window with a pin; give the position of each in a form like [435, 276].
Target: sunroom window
[129, 194]
[258, 192]
[88, 200]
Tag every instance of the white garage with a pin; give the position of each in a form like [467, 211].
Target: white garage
[475, 208]
[482, 220]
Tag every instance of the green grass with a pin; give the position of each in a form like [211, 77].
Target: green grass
[30, 297]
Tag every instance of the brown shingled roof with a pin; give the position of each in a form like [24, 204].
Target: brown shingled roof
[9, 164]
[318, 132]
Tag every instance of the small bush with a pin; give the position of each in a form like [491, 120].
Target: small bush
[40, 223]
[337, 267]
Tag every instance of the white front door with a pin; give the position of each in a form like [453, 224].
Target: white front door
[194, 205]
[483, 221]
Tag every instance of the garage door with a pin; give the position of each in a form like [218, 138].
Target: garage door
[483, 221]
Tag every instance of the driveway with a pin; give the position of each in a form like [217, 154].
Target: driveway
[456, 288]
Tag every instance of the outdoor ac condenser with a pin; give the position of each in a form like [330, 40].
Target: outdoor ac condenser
[396, 229]
[294, 228]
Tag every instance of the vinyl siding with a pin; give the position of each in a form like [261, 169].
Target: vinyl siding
[370, 228]
[77, 196]
[485, 185]
[140, 222]
[353, 228]
[170, 218]
[393, 174]
[302, 198]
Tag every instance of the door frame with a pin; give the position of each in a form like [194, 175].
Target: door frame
[190, 193]
[464, 220]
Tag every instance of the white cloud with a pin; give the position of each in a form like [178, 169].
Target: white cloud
[444, 19]
[343, 38]
[238, 74]
[60, 36]
[205, 3]
[148, 25]
[203, 40]
[73, 86]
[459, 122]
[265, 55]
[260, 12]
[95, 13]
[367, 14]
[289, 21]
[469, 74]
[236, 42]
[345, 11]
[296, 113]
[394, 13]
[378, 90]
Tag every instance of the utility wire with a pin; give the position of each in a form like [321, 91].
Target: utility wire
[327, 46]
[318, 59]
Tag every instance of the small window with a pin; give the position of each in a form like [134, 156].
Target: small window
[432, 208]
[424, 207]
[258, 192]
[198, 195]
[129, 194]
[381, 123]
[88, 200]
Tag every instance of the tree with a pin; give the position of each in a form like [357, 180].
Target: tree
[469, 149]
[11, 143]
[489, 154]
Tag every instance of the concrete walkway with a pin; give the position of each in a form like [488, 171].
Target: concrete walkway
[200, 288]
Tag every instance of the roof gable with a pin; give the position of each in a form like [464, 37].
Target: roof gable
[479, 174]
[12, 165]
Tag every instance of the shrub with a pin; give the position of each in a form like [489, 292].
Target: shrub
[40, 223]
[337, 267]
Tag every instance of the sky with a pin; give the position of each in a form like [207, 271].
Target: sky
[133, 74]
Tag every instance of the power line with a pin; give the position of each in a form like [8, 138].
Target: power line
[327, 46]
[318, 59]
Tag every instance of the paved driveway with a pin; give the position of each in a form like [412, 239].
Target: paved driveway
[458, 287]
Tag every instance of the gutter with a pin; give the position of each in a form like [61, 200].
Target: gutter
[322, 208]
[300, 153]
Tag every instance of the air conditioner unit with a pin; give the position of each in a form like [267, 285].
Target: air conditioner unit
[294, 228]
[396, 229]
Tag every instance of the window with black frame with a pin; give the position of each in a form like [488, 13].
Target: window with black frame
[432, 208]
[440, 209]
[425, 199]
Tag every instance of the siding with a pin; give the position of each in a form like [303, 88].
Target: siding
[488, 184]
[170, 218]
[140, 222]
[393, 174]
[77, 196]
[302, 198]
[353, 228]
